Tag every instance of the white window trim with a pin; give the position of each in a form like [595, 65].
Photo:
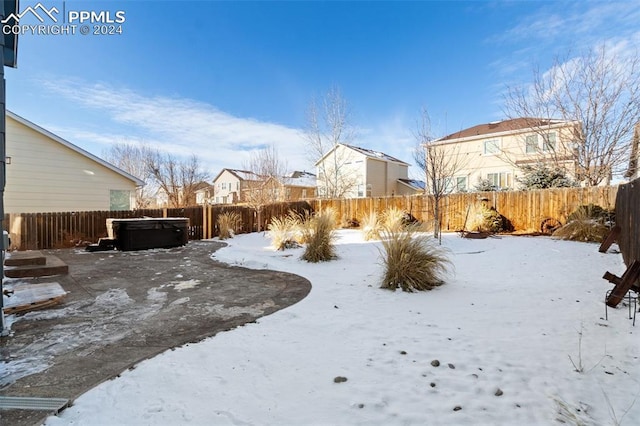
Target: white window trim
[545, 141]
[536, 146]
[497, 145]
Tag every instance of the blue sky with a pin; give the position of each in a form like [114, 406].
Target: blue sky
[220, 79]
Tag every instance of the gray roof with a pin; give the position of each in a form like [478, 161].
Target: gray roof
[240, 174]
[415, 184]
[367, 152]
[375, 154]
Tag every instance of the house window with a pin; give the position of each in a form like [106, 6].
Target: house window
[224, 185]
[304, 193]
[532, 144]
[491, 147]
[500, 180]
[549, 142]
[461, 183]
[361, 190]
[446, 185]
[119, 199]
[288, 193]
[237, 186]
[369, 190]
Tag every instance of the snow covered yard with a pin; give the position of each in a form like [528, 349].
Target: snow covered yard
[503, 329]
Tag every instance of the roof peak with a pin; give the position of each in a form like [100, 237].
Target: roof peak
[505, 125]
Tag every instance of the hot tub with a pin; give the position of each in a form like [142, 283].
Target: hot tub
[148, 233]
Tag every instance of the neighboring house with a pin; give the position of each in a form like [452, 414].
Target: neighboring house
[202, 194]
[348, 171]
[205, 194]
[229, 185]
[498, 151]
[46, 173]
[410, 187]
[296, 186]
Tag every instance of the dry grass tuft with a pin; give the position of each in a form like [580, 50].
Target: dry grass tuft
[304, 226]
[393, 219]
[349, 222]
[228, 224]
[371, 227]
[320, 238]
[412, 261]
[486, 219]
[582, 228]
[331, 215]
[282, 231]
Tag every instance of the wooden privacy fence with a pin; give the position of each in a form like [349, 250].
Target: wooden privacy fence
[628, 219]
[35, 231]
[251, 219]
[526, 210]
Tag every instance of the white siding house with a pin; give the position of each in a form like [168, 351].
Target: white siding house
[497, 152]
[230, 184]
[46, 173]
[352, 172]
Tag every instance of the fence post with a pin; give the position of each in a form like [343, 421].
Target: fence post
[15, 230]
[205, 223]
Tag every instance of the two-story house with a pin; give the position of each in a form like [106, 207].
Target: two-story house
[348, 171]
[230, 184]
[497, 152]
[295, 186]
[204, 194]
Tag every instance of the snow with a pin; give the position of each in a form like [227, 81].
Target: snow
[513, 318]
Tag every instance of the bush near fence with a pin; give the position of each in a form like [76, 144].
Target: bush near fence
[526, 210]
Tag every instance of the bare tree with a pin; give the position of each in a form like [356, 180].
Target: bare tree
[439, 163]
[133, 159]
[600, 92]
[269, 169]
[328, 127]
[632, 171]
[178, 179]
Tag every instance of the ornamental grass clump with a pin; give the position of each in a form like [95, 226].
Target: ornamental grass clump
[412, 261]
[371, 227]
[282, 231]
[303, 227]
[320, 238]
[228, 224]
[582, 227]
[393, 219]
[487, 219]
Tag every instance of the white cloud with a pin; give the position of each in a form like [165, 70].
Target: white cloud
[576, 23]
[559, 32]
[183, 126]
[177, 125]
